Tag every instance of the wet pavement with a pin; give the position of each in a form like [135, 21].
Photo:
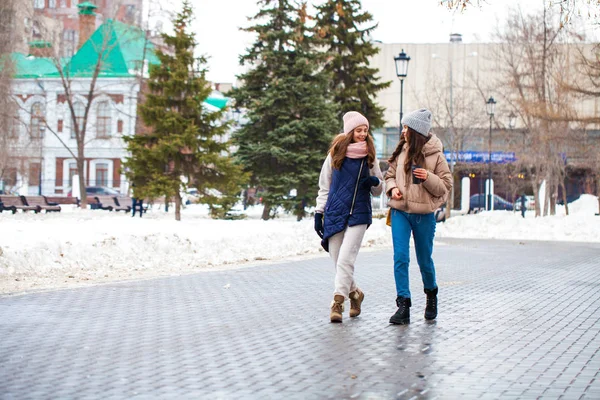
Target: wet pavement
[517, 320]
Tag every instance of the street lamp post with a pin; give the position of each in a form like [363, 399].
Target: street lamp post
[401, 61]
[42, 130]
[491, 105]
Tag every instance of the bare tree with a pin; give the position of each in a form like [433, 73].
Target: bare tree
[567, 9]
[82, 85]
[584, 83]
[8, 38]
[458, 116]
[531, 53]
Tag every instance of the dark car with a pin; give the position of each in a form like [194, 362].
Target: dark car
[570, 198]
[477, 203]
[98, 191]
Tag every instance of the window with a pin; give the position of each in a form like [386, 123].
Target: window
[37, 120]
[103, 120]
[130, 13]
[102, 174]
[14, 128]
[69, 41]
[72, 171]
[79, 111]
[62, 3]
[51, 3]
[39, 3]
[10, 178]
[36, 30]
[34, 174]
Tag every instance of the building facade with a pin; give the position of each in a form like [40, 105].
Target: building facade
[455, 80]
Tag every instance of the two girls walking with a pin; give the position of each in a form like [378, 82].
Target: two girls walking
[417, 182]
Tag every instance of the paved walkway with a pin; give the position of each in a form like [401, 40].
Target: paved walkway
[517, 320]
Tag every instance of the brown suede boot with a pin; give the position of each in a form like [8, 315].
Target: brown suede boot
[356, 299]
[337, 308]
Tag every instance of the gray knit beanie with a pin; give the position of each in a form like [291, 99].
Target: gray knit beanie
[419, 121]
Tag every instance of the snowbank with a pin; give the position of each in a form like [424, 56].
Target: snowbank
[79, 247]
[582, 225]
[86, 246]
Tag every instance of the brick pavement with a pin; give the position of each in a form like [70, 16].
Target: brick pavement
[517, 321]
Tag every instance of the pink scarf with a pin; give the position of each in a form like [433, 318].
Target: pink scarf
[357, 150]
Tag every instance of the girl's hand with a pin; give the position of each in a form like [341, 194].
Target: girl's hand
[396, 195]
[421, 173]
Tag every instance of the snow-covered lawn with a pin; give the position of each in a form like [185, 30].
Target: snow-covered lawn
[80, 247]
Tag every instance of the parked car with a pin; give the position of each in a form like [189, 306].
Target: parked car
[529, 203]
[477, 203]
[97, 191]
[570, 198]
[190, 196]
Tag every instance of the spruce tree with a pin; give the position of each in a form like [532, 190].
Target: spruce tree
[291, 120]
[183, 140]
[345, 31]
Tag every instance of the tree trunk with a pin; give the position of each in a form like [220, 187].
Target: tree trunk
[299, 210]
[177, 207]
[553, 198]
[536, 197]
[564, 196]
[598, 195]
[266, 212]
[82, 191]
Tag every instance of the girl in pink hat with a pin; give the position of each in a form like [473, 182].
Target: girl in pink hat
[349, 176]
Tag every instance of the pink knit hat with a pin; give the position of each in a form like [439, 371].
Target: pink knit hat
[352, 119]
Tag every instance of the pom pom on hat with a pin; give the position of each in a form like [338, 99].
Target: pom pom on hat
[352, 119]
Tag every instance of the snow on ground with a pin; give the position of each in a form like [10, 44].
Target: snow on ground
[82, 247]
[582, 225]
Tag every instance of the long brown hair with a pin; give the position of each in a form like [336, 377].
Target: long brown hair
[414, 155]
[339, 145]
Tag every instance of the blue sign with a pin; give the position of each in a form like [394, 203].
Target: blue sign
[498, 157]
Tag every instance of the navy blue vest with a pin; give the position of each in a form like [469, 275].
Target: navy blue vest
[348, 202]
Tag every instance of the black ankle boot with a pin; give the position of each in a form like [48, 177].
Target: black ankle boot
[402, 316]
[431, 308]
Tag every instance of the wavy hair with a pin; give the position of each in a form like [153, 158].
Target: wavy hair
[339, 146]
[414, 155]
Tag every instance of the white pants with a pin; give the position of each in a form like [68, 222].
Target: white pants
[343, 249]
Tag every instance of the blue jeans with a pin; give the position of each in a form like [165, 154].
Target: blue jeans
[422, 227]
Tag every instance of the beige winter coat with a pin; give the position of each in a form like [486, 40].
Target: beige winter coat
[428, 196]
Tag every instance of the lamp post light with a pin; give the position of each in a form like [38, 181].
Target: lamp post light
[512, 120]
[491, 106]
[401, 61]
[42, 130]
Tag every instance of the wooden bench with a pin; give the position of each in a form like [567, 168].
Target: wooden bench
[42, 202]
[96, 203]
[116, 205]
[112, 202]
[14, 203]
[125, 201]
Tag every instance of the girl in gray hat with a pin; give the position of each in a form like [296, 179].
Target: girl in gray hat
[350, 174]
[417, 183]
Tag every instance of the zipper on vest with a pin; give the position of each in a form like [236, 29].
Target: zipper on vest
[356, 187]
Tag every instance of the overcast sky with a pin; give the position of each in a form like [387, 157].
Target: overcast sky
[217, 25]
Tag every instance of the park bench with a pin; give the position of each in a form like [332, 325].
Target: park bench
[125, 201]
[113, 203]
[14, 203]
[101, 203]
[42, 202]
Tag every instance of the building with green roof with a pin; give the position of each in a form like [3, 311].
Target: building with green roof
[45, 123]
